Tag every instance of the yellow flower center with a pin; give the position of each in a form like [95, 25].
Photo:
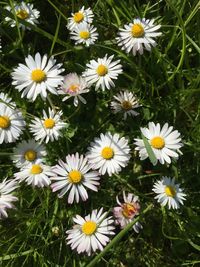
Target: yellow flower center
[170, 192]
[73, 88]
[84, 35]
[128, 210]
[30, 155]
[49, 123]
[137, 30]
[36, 169]
[22, 14]
[78, 17]
[126, 105]
[4, 122]
[107, 152]
[88, 228]
[38, 75]
[102, 70]
[157, 142]
[75, 176]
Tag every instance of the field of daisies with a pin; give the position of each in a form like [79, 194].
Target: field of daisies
[99, 133]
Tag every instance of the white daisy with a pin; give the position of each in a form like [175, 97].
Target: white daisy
[109, 153]
[74, 176]
[38, 76]
[11, 124]
[6, 197]
[102, 72]
[125, 102]
[84, 34]
[35, 174]
[73, 86]
[49, 127]
[169, 193]
[164, 142]
[28, 151]
[6, 100]
[90, 233]
[127, 210]
[138, 35]
[25, 12]
[82, 16]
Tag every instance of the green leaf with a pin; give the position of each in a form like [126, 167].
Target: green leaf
[150, 152]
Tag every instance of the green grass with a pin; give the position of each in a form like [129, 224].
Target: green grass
[167, 82]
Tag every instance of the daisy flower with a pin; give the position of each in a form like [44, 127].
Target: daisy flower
[6, 100]
[38, 76]
[28, 152]
[164, 142]
[138, 35]
[35, 174]
[127, 210]
[102, 72]
[169, 193]
[74, 176]
[125, 102]
[82, 16]
[84, 34]
[11, 124]
[49, 127]
[25, 12]
[90, 233]
[6, 197]
[73, 86]
[109, 153]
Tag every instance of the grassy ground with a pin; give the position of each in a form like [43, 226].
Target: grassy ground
[167, 82]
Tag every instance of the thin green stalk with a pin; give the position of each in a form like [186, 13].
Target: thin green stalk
[192, 14]
[58, 10]
[56, 35]
[17, 23]
[118, 237]
[183, 39]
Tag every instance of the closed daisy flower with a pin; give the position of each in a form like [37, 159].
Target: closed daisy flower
[109, 153]
[125, 102]
[25, 12]
[11, 124]
[38, 76]
[73, 86]
[6, 197]
[35, 174]
[90, 233]
[28, 152]
[84, 34]
[82, 16]
[102, 72]
[164, 142]
[169, 193]
[49, 127]
[127, 210]
[138, 35]
[74, 177]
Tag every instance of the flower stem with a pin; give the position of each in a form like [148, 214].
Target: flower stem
[117, 238]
